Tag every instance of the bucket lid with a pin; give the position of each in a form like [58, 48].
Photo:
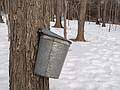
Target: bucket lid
[51, 34]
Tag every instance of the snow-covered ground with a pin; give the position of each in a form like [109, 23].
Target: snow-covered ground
[4, 64]
[91, 65]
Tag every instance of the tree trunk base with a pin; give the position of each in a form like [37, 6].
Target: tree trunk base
[80, 40]
[75, 40]
[103, 25]
[58, 26]
[52, 18]
[98, 22]
[58, 23]
[1, 20]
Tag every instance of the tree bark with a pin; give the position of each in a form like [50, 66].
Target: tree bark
[52, 10]
[26, 17]
[116, 14]
[81, 21]
[110, 15]
[98, 15]
[1, 20]
[65, 21]
[58, 23]
[104, 13]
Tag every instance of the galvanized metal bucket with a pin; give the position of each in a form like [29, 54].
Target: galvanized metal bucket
[51, 54]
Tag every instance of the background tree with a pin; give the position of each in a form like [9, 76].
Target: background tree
[95, 10]
[72, 12]
[52, 10]
[81, 20]
[26, 17]
[65, 17]
[110, 15]
[98, 12]
[58, 12]
[1, 20]
[104, 13]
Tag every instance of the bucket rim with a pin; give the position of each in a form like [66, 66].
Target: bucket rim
[51, 34]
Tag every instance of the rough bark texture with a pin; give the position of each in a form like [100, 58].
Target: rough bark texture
[26, 16]
[81, 21]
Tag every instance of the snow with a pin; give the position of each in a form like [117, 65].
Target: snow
[91, 65]
[4, 64]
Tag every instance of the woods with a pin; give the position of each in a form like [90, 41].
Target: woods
[26, 17]
[81, 20]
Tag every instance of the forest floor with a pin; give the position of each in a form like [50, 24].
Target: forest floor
[91, 65]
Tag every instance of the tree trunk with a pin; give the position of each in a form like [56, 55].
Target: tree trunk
[98, 16]
[52, 11]
[89, 11]
[58, 23]
[104, 13]
[110, 15]
[116, 14]
[26, 17]
[81, 21]
[1, 20]
[65, 21]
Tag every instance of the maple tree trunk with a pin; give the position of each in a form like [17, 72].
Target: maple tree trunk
[26, 17]
[1, 20]
[52, 11]
[65, 21]
[58, 23]
[81, 21]
[104, 13]
[98, 15]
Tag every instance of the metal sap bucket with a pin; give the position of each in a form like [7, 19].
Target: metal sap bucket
[51, 54]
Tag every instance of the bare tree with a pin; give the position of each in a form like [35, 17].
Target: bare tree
[104, 13]
[110, 15]
[81, 21]
[26, 17]
[116, 15]
[98, 13]
[1, 20]
[65, 21]
[52, 10]
[58, 7]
